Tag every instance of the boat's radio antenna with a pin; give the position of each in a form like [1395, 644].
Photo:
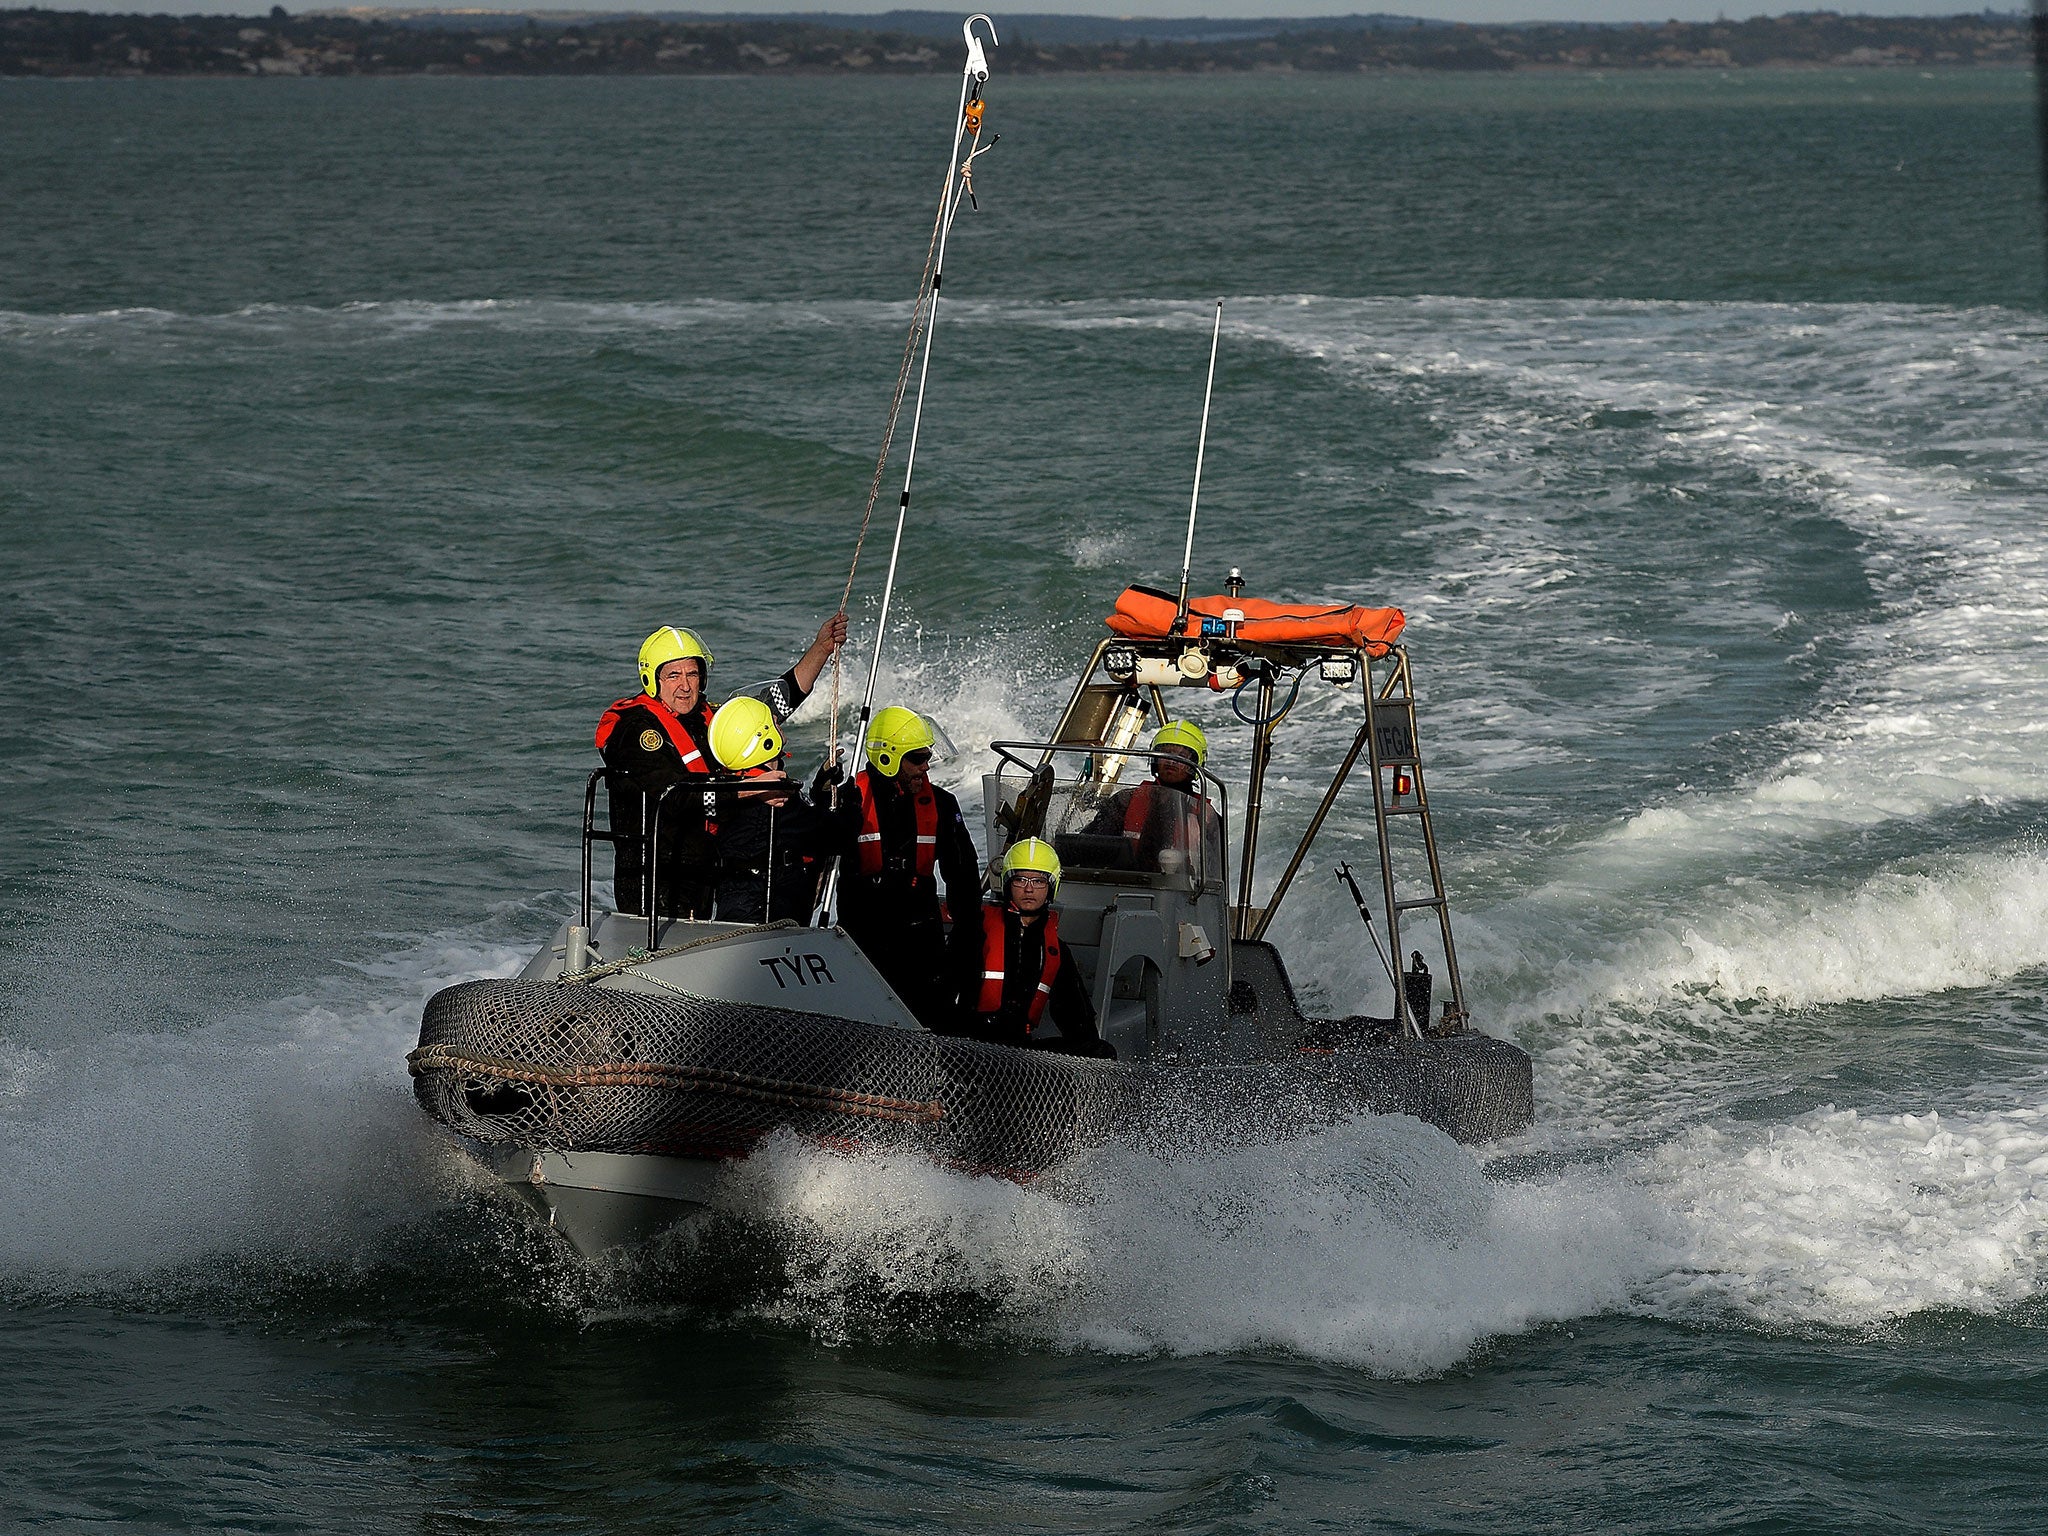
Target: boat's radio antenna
[964, 122]
[1187, 558]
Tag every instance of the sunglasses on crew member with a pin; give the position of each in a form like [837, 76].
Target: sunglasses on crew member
[918, 759]
[1028, 878]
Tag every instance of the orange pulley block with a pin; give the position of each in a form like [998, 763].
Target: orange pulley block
[973, 117]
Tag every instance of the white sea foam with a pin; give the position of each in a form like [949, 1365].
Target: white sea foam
[288, 1127]
[1949, 921]
[1377, 1243]
[1380, 1244]
[1841, 1219]
[1847, 409]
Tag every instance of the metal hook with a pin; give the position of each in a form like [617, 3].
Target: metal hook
[977, 61]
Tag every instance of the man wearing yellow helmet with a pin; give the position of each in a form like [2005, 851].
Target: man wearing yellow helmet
[899, 835]
[769, 844]
[1167, 820]
[661, 736]
[1009, 970]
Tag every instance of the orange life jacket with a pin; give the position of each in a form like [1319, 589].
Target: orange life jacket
[671, 725]
[869, 844]
[993, 935]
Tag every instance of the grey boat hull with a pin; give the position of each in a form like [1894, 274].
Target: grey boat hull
[601, 1200]
[612, 1109]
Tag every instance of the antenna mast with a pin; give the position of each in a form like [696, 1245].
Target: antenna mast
[1187, 558]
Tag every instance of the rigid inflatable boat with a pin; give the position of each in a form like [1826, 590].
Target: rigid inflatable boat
[635, 1056]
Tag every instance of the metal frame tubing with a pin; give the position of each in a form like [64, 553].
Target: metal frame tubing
[1308, 838]
[1402, 1015]
[1262, 752]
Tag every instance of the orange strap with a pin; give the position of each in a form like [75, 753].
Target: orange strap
[671, 725]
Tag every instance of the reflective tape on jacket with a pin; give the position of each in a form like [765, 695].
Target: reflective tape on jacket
[869, 843]
[671, 724]
[994, 934]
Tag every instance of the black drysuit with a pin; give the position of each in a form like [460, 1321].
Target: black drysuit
[1023, 969]
[638, 736]
[894, 914]
[770, 853]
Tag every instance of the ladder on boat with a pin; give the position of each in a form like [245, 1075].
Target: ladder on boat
[1392, 748]
[1400, 799]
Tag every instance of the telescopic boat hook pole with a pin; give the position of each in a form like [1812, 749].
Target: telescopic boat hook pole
[1406, 1020]
[971, 79]
[1187, 557]
[959, 178]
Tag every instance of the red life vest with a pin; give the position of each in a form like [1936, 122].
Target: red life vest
[1138, 811]
[869, 844]
[993, 934]
[670, 722]
[1138, 816]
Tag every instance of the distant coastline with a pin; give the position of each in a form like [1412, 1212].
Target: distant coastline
[71, 44]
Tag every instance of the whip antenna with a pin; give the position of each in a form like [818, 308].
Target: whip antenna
[971, 78]
[1187, 558]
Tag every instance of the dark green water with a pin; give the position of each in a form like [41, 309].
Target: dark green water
[355, 432]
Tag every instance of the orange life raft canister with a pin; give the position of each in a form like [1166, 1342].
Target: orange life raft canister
[1145, 614]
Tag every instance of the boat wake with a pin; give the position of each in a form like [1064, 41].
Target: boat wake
[276, 1161]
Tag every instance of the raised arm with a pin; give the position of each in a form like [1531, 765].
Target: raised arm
[831, 636]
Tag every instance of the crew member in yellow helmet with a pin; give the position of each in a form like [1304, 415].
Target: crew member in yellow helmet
[661, 736]
[1167, 823]
[1009, 971]
[771, 844]
[899, 836]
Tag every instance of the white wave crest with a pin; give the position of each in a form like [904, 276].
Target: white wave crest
[1380, 1244]
[290, 1127]
[1917, 428]
[1848, 1220]
[1964, 920]
[1377, 1243]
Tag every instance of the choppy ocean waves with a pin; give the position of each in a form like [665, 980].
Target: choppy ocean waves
[1785, 1078]
[266, 1153]
[401, 318]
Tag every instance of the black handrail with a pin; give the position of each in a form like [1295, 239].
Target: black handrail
[592, 835]
[650, 889]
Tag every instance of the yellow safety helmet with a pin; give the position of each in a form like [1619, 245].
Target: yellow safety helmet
[1034, 854]
[669, 644]
[1183, 733]
[894, 732]
[743, 734]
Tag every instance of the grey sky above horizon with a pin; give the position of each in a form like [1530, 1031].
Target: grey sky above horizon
[1445, 10]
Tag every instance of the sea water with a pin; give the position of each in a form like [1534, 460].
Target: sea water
[356, 431]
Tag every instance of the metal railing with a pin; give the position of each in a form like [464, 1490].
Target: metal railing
[652, 822]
